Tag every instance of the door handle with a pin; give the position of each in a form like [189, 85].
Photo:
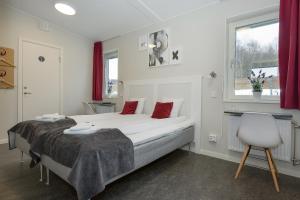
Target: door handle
[27, 93]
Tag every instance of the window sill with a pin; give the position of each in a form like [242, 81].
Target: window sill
[256, 101]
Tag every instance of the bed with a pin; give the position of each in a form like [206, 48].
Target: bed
[151, 138]
[149, 143]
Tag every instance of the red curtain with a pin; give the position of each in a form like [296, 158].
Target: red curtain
[97, 71]
[289, 46]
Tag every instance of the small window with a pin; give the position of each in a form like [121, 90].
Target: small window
[111, 61]
[253, 48]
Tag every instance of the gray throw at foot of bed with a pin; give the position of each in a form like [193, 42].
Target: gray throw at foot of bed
[94, 158]
[31, 130]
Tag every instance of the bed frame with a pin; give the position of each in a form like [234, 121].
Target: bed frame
[143, 154]
[188, 88]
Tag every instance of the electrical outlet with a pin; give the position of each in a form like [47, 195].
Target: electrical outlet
[212, 138]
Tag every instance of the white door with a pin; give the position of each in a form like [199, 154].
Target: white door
[41, 80]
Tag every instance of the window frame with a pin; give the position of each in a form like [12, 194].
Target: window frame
[229, 80]
[109, 55]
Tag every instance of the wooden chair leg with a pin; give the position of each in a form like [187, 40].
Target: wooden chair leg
[276, 170]
[272, 169]
[243, 160]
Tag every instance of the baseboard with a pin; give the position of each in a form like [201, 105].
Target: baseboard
[218, 155]
[4, 141]
[250, 162]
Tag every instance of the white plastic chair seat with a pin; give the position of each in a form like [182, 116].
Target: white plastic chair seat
[259, 129]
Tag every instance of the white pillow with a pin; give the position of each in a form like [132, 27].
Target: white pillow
[177, 104]
[140, 106]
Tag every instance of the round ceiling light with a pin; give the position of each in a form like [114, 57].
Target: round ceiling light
[65, 8]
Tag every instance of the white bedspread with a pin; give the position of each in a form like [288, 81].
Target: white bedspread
[140, 128]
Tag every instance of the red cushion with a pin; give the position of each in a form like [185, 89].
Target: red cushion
[162, 110]
[129, 107]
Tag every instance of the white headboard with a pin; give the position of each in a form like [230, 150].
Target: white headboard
[188, 88]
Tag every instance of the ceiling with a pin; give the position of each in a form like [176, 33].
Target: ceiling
[105, 19]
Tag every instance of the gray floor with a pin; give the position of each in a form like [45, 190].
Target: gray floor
[179, 175]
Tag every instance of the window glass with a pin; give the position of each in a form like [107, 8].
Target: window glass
[111, 62]
[256, 49]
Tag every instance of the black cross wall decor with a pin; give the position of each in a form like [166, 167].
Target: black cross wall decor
[175, 55]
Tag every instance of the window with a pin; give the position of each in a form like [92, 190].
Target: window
[111, 73]
[253, 47]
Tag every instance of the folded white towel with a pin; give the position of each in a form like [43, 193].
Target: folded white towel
[54, 115]
[91, 130]
[49, 118]
[81, 126]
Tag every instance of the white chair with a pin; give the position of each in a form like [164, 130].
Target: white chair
[89, 108]
[259, 130]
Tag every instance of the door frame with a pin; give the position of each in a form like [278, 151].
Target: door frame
[20, 74]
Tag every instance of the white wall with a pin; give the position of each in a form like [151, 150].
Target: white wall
[77, 63]
[202, 34]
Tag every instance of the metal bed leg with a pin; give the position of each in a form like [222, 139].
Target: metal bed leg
[22, 157]
[47, 174]
[189, 146]
[41, 173]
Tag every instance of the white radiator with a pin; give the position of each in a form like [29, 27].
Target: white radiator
[282, 152]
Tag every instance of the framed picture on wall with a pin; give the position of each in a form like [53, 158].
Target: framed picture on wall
[158, 48]
[143, 42]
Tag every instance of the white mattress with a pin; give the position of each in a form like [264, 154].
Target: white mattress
[140, 128]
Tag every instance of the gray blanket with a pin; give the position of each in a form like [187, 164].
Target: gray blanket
[31, 130]
[94, 158]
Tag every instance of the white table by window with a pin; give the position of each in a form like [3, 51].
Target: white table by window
[104, 107]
